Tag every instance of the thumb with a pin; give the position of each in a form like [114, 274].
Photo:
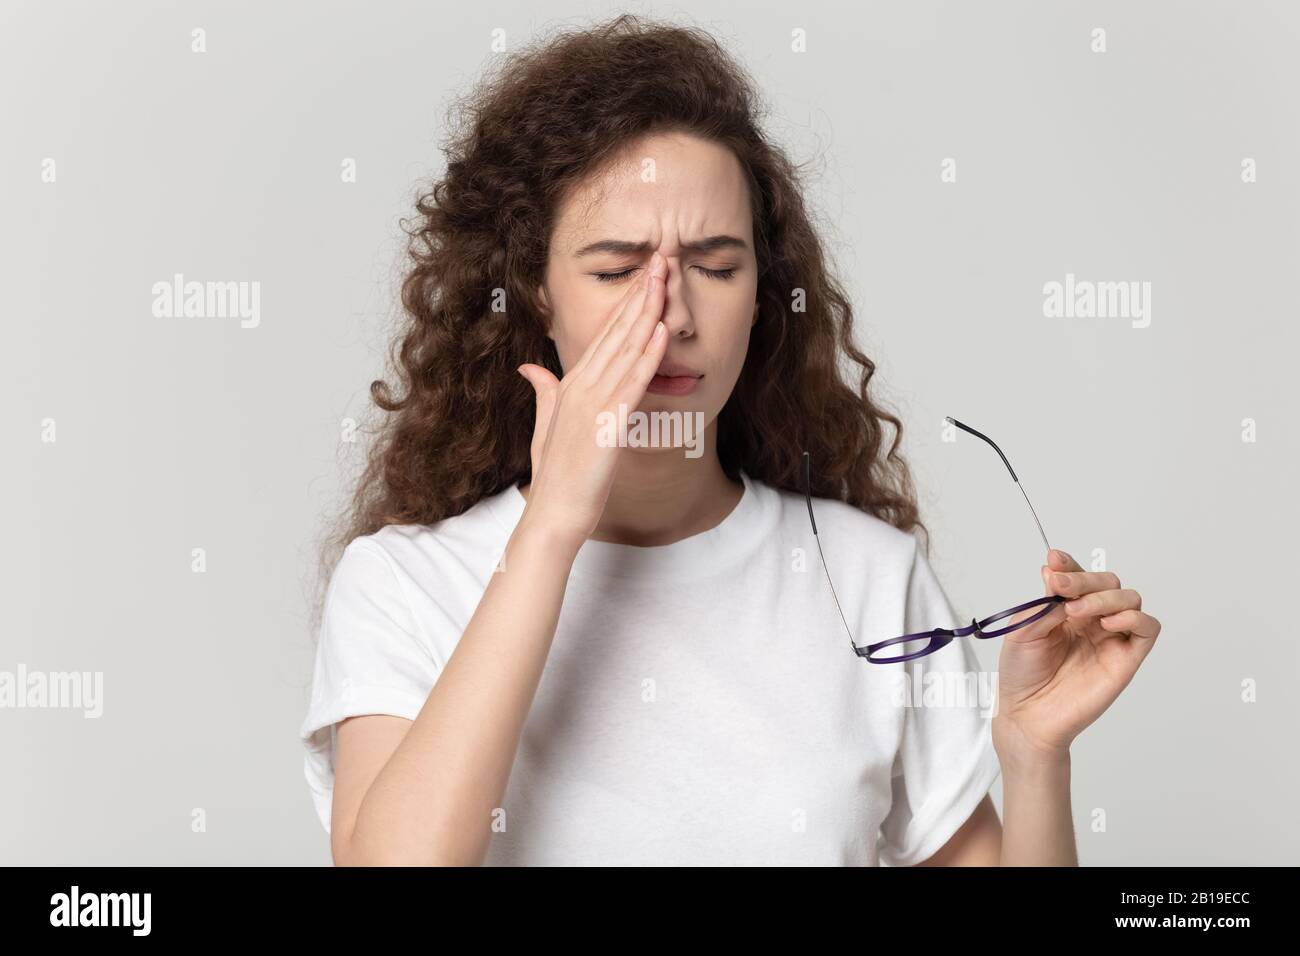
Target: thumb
[545, 386]
[544, 383]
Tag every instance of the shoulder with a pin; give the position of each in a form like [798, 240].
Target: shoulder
[846, 531]
[415, 580]
[427, 566]
[466, 540]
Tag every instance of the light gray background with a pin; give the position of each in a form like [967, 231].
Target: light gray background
[175, 434]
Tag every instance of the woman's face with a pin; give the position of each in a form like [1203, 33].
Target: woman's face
[687, 198]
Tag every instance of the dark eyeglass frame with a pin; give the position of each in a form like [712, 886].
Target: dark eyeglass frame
[939, 637]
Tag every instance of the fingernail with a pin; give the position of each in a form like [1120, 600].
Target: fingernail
[1061, 555]
[659, 331]
[1060, 580]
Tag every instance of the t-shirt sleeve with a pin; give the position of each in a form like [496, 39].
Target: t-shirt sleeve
[371, 658]
[945, 761]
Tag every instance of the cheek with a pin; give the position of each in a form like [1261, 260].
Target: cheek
[567, 346]
[729, 346]
[574, 328]
[734, 334]
[737, 348]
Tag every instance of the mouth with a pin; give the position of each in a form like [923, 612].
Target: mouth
[674, 379]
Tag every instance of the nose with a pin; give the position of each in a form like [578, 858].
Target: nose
[677, 316]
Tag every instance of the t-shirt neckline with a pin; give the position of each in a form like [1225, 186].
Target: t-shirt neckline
[706, 553]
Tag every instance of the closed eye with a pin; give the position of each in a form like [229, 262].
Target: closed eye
[619, 276]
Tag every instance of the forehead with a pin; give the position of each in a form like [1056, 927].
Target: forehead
[664, 188]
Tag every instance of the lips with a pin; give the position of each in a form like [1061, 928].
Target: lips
[677, 370]
[674, 379]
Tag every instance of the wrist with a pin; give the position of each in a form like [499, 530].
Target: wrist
[536, 535]
[1035, 769]
[1026, 758]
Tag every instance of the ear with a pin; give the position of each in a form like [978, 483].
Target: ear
[546, 309]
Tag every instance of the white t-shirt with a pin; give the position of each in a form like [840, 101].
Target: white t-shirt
[701, 704]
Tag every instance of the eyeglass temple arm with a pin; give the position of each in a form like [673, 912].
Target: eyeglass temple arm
[950, 419]
[807, 488]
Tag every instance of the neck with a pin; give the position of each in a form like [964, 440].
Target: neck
[662, 496]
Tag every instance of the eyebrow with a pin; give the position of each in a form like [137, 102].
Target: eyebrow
[627, 247]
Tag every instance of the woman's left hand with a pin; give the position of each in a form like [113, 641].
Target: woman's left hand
[1060, 673]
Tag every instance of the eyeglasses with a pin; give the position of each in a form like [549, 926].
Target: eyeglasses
[911, 646]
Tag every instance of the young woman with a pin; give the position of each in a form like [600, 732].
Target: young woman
[541, 647]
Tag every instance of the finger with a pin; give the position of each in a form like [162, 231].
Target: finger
[1104, 602]
[617, 338]
[1136, 634]
[542, 379]
[1043, 625]
[1136, 624]
[644, 325]
[634, 308]
[545, 389]
[633, 387]
[635, 290]
[1078, 583]
[1059, 560]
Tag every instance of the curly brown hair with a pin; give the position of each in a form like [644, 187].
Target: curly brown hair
[459, 423]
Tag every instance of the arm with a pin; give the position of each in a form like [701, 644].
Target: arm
[423, 791]
[1039, 830]
[1056, 677]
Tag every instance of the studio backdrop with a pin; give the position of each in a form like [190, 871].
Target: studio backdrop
[1073, 225]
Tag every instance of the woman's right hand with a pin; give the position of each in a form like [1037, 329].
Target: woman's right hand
[572, 474]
